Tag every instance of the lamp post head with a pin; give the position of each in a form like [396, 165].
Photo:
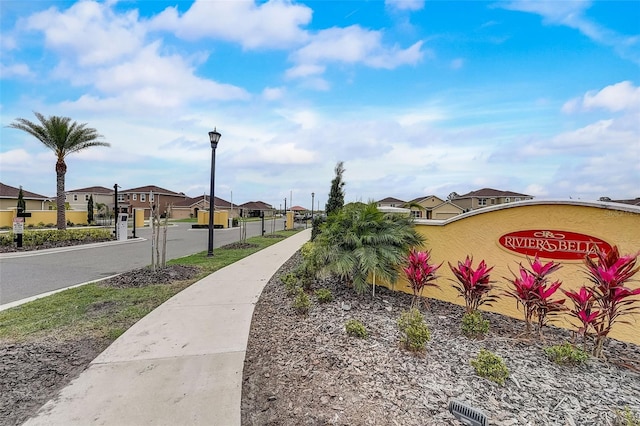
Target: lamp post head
[214, 137]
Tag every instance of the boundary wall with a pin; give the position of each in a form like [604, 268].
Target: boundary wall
[478, 233]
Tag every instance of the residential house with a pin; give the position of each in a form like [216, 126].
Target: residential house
[189, 207]
[33, 201]
[145, 197]
[256, 209]
[422, 207]
[445, 210]
[78, 199]
[487, 197]
[391, 202]
[633, 202]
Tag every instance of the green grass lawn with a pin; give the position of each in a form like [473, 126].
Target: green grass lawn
[106, 312]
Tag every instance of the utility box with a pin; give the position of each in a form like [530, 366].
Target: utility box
[123, 219]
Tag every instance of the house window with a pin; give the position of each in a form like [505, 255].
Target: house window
[86, 197]
[120, 198]
[416, 214]
[482, 201]
[143, 197]
[517, 198]
[135, 197]
[151, 196]
[507, 200]
[493, 201]
[75, 197]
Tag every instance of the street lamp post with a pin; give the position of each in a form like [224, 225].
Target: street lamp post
[214, 137]
[312, 195]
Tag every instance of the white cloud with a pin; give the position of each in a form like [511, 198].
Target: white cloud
[411, 5]
[274, 153]
[274, 24]
[623, 96]
[15, 70]
[90, 31]
[571, 14]
[273, 93]
[457, 63]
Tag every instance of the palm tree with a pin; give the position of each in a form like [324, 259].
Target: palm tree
[63, 137]
[360, 241]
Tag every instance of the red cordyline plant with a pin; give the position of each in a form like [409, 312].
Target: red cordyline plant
[583, 309]
[473, 285]
[608, 273]
[532, 291]
[420, 273]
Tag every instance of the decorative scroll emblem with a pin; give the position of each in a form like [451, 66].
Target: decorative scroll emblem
[559, 245]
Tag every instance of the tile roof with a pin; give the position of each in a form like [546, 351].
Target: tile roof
[7, 191]
[190, 201]
[256, 205]
[390, 200]
[417, 200]
[634, 202]
[490, 192]
[94, 190]
[155, 189]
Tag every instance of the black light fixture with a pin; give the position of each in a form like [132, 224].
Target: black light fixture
[214, 137]
[313, 194]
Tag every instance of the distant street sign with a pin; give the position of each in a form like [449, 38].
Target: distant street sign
[18, 225]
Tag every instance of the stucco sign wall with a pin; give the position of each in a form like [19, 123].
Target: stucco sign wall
[553, 244]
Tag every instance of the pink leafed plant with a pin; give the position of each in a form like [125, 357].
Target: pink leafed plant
[583, 309]
[420, 273]
[473, 285]
[608, 273]
[533, 293]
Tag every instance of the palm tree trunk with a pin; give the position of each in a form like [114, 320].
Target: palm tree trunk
[61, 170]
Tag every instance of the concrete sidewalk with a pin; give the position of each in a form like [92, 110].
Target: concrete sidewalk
[181, 364]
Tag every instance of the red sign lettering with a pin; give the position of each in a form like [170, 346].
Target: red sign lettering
[559, 245]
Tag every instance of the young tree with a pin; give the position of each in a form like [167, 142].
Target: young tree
[21, 203]
[63, 137]
[336, 195]
[90, 210]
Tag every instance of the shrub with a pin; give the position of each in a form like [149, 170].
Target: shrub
[38, 238]
[566, 354]
[40, 224]
[356, 329]
[414, 331]
[324, 295]
[420, 273]
[490, 366]
[473, 285]
[291, 282]
[533, 292]
[608, 274]
[301, 303]
[626, 417]
[473, 325]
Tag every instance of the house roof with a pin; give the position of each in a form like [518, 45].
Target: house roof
[93, 190]
[490, 192]
[390, 200]
[448, 202]
[191, 201]
[417, 200]
[256, 205]
[298, 209]
[155, 189]
[7, 191]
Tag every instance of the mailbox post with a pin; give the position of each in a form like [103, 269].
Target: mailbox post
[18, 226]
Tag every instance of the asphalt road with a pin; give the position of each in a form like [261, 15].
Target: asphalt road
[28, 274]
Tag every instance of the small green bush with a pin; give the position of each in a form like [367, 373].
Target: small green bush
[626, 417]
[324, 295]
[490, 366]
[40, 224]
[38, 238]
[566, 354]
[301, 303]
[291, 283]
[414, 331]
[356, 329]
[473, 325]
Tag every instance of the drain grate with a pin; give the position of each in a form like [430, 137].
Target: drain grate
[468, 415]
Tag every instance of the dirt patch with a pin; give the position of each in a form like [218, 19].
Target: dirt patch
[235, 246]
[146, 276]
[305, 370]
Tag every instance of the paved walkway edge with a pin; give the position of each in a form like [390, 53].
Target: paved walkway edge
[181, 364]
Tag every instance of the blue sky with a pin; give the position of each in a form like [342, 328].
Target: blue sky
[416, 97]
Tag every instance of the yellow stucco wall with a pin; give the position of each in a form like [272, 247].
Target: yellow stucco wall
[139, 219]
[477, 233]
[219, 218]
[290, 220]
[43, 216]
